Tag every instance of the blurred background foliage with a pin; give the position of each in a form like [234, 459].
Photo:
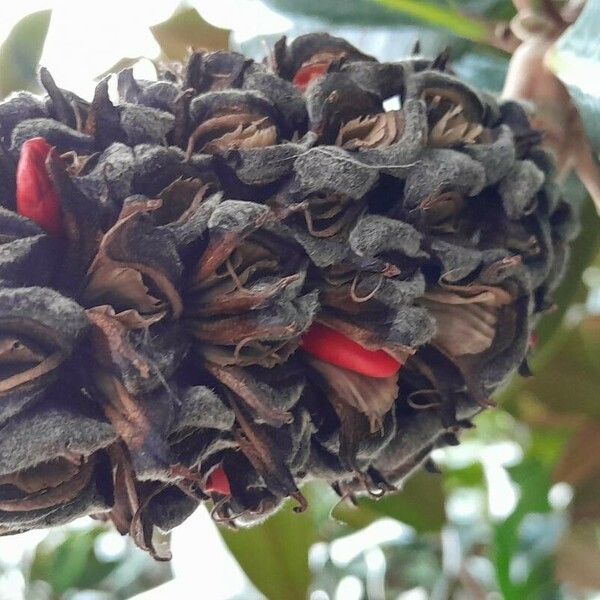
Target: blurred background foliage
[515, 511]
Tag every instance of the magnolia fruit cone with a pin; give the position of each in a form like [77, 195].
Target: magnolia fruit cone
[243, 277]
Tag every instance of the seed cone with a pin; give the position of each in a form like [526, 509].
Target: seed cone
[246, 276]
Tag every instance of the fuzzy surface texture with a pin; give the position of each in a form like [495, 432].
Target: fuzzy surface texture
[245, 276]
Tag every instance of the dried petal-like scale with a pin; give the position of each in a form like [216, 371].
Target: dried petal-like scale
[231, 120]
[137, 265]
[259, 277]
[19, 107]
[39, 330]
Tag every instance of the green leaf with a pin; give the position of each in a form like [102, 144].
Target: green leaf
[461, 19]
[419, 504]
[358, 12]
[392, 12]
[72, 564]
[548, 441]
[534, 483]
[187, 29]
[485, 71]
[569, 382]
[533, 479]
[471, 476]
[575, 59]
[274, 555]
[439, 16]
[21, 51]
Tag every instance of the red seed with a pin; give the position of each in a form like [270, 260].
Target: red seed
[307, 73]
[334, 348]
[37, 197]
[218, 482]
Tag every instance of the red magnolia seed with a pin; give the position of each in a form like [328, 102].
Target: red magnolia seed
[37, 197]
[334, 348]
[218, 482]
[307, 73]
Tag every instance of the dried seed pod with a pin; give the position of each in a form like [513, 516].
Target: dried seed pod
[309, 50]
[57, 134]
[265, 165]
[103, 122]
[27, 256]
[252, 275]
[156, 167]
[29, 261]
[245, 303]
[212, 71]
[59, 104]
[20, 107]
[136, 266]
[333, 99]
[39, 330]
[282, 94]
[144, 125]
[52, 465]
[383, 80]
[230, 120]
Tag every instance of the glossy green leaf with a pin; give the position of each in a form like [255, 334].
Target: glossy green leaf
[399, 12]
[72, 564]
[534, 483]
[274, 555]
[419, 504]
[569, 382]
[575, 59]
[547, 443]
[186, 30]
[21, 51]
[483, 70]
[443, 17]
[358, 12]
[471, 476]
